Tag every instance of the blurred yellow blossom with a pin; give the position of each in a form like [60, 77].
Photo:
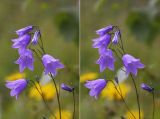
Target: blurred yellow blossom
[48, 92]
[111, 93]
[15, 76]
[135, 113]
[65, 114]
[88, 76]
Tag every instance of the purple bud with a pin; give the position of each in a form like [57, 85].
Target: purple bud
[66, 87]
[104, 30]
[36, 37]
[116, 37]
[24, 30]
[147, 87]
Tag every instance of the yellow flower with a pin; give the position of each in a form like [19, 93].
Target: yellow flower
[15, 76]
[135, 113]
[48, 92]
[88, 76]
[65, 114]
[111, 93]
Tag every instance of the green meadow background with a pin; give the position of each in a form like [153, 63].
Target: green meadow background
[58, 22]
[139, 21]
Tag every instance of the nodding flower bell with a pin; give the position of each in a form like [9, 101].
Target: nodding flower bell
[16, 86]
[106, 60]
[24, 30]
[22, 42]
[51, 64]
[102, 43]
[96, 86]
[25, 60]
[132, 64]
[104, 30]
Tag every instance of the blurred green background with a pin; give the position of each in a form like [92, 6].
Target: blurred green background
[139, 21]
[58, 22]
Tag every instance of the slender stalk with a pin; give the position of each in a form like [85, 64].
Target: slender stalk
[122, 45]
[42, 46]
[116, 54]
[125, 101]
[137, 96]
[74, 104]
[121, 41]
[153, 104]
[121, 52]
[41, 93]
[58, 98]
[59, 104]
[36, 54]
[120, 93]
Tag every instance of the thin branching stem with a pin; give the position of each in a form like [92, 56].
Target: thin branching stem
[41, 94]
[36, 54]
[153, 96]
[121, 95]
[58, 99]
[58, 96]
[74, 104]
[137, 95]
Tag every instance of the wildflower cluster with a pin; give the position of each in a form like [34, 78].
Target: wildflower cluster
[109, 36]
[110, 48]
[26, 58]
[28, 43]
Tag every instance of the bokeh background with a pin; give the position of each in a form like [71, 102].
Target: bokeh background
[58, 22]
[139, 21]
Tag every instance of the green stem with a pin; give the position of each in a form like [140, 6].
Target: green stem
[74, 105]
[58, 99]
[120, 93]
[153, 104]
[137, 96]
[41, 94]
